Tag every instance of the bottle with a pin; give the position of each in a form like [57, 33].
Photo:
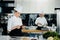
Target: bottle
[53, 27]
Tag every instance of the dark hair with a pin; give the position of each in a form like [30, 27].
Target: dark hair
[15, 11]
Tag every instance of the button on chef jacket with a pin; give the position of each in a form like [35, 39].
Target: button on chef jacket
[41, 20]
[14, 21]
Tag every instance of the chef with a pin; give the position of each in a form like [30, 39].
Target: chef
[41, 21]
[15, 23]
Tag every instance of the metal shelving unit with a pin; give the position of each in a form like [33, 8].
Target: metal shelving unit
[6, 6]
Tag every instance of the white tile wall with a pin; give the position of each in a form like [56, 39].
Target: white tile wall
[33, 6]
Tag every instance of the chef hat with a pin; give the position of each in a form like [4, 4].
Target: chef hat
[18, 8]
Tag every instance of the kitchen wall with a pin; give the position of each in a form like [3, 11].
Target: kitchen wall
[33, 6]
[57, 3]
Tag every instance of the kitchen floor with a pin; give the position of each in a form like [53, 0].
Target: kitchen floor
[17, 38]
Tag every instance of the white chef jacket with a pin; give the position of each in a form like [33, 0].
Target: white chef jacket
[14, 21]
[41, 20]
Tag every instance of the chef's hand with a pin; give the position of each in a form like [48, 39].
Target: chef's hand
[23, 27]
[39, 23]
[14, 28]
[18, 27]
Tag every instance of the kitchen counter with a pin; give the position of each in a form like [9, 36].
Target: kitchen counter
[30, 31]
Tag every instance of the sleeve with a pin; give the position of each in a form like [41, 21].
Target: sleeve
[36, 21]
[9, 25]
[21, 22]
[46, 21]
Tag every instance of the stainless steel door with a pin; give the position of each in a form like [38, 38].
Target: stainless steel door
[58, 20]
